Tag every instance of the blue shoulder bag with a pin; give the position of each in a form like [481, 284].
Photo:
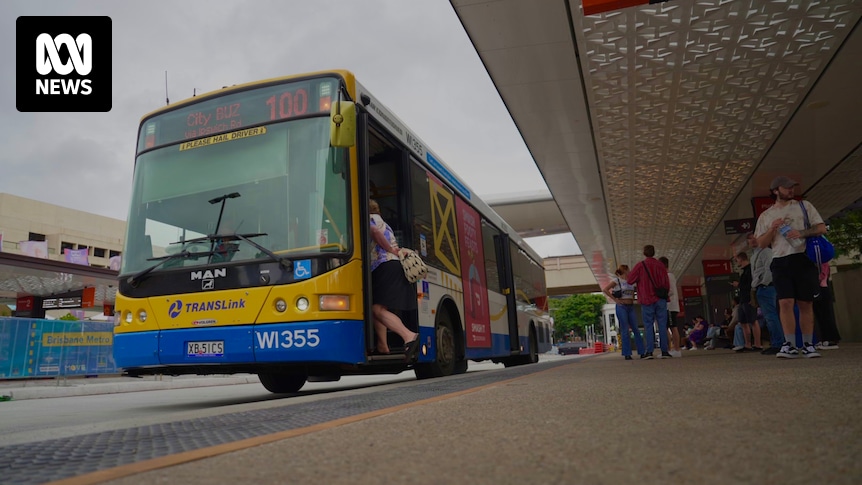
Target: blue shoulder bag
[817, 248]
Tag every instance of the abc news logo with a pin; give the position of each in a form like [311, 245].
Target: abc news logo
[71, 70]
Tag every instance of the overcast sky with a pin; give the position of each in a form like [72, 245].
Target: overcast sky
[414, 55]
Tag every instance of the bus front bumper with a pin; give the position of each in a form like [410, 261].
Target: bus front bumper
[330, 341]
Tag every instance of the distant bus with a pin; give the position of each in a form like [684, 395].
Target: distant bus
[248, 240]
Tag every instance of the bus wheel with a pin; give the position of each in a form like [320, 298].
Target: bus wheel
[282, 383]
[534, 347]
[447, 362]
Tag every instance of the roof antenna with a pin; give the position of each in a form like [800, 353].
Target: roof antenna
[194, 92]
[167, 100]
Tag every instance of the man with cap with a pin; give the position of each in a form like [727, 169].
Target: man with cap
[794, 276]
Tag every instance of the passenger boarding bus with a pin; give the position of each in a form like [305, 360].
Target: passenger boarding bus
[248, 241]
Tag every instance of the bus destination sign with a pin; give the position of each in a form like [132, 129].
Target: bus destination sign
[239, 110]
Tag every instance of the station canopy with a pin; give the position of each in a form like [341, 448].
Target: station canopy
[664, 124]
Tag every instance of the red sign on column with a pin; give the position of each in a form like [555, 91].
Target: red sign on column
[24, 304]
[760, 204]
[715, 267]
[88, 297]
[689, 291]
[592, 7]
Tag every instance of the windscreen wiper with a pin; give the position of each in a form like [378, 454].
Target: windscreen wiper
[136, 278]
[281, 260]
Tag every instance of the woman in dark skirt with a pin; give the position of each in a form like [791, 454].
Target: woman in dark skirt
[389, 287]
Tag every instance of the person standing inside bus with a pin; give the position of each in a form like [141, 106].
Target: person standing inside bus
[653, 291]
[623, 294]
[390, 289]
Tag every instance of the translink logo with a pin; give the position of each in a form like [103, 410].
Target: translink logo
[177, 306]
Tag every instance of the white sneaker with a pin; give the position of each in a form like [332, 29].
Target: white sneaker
[738, 348]
[676, 353]
[826, 345]
[808, 351]
[788, 351]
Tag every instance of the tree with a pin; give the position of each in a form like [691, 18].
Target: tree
[576, 312]
[845, 233]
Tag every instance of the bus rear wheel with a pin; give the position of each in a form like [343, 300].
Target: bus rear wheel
[282, 383]
[447, 361]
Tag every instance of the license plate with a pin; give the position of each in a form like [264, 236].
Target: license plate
[213, 348]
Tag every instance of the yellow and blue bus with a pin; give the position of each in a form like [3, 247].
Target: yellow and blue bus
[248, 239]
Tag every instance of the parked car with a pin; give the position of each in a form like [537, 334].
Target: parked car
[568, 348]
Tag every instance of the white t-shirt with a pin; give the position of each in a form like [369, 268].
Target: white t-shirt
[792, 214]
[673, 303]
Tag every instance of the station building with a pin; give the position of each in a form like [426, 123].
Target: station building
[34, 239]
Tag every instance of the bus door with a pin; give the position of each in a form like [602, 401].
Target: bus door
[507, 282]
[388, 185]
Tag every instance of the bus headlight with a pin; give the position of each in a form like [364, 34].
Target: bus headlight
[302, 303]
[118, 317]
[142, 315]
[128, 317]
[335, 302]
[280, 305]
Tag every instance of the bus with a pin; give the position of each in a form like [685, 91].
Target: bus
[247, 243]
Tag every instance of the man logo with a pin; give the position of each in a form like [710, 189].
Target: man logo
[175, 309]
[72, 71]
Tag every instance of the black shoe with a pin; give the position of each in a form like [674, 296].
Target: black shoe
[628, 357]
[770, 351]
[666, 355]
[647, 356]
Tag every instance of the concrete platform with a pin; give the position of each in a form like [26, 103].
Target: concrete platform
[711, 417]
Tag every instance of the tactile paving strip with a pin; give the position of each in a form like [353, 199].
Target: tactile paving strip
[45, 461]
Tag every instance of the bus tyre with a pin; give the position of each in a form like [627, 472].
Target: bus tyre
[282, 383]
[533, 357]
[447, 361]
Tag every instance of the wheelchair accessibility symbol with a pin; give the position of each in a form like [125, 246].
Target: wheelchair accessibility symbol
[302, 269]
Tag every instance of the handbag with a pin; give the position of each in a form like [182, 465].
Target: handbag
[817, 248]
[414, 267]
[618, 293]
[661, 293]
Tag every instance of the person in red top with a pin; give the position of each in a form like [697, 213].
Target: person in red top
[651, 275]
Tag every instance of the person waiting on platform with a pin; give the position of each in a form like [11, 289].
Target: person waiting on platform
[698, 332]
[623, 294]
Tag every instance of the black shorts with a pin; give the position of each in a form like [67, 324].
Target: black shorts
[795, 276]
[673, 322]
[745, 313]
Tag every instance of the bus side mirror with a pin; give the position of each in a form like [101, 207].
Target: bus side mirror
[342, 124]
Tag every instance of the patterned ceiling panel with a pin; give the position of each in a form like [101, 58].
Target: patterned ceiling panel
[686, 98]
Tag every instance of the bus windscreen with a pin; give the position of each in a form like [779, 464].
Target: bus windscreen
[235, 111]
